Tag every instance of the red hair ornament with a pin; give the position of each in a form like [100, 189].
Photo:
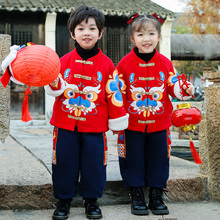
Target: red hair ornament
[132, 18]
[186, 117]
[34, 65]
[158, 18]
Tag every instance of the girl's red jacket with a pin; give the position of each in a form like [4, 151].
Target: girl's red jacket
[88, 95]
[146, 88]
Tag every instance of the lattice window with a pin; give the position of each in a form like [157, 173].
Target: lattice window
[101, 44]
[2, 29]
[21, 37]
[113, 47]
[128, 45]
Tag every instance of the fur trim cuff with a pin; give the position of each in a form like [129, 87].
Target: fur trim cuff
[118, 124]
[56, 93]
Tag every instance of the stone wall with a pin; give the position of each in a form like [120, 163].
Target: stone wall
[212, 123]
[5, 43]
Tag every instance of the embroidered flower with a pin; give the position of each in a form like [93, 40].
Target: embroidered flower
[173, 77]
[113, 89]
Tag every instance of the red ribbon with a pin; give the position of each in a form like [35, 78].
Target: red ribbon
[184, 82]
[157, 17]
[132, 18]
[6, 77]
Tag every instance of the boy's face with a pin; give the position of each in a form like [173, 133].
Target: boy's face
[86, 34]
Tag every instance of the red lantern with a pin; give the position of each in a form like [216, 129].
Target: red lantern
[186, 118]
[34, 65]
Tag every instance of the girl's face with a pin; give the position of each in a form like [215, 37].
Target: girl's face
[87, 34]
[146, 39]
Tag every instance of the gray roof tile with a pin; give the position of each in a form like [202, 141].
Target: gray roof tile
[108, 7]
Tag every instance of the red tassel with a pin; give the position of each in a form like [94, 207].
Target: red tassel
[5, 78]
[194, 152]
[25, 114]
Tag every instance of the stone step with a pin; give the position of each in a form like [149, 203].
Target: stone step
[26, 181]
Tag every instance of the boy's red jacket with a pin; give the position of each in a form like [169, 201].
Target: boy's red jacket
[88, 95]
[146, 88]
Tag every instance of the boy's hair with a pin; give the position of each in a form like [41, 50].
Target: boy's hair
[84, 12]
[140, 22]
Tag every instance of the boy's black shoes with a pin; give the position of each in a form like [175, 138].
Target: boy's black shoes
[156, 203]
[62, 210]
[92, 209]
[138, 204]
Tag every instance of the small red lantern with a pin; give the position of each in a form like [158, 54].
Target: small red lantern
[186, 118]
[34, 65]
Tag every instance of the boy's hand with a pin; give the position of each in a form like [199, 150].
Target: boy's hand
[189, 89]
[55, 82]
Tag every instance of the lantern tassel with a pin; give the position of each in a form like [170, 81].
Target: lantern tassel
[194, 152]
[25, 114]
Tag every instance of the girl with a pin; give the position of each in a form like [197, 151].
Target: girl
[88, 103]
[147, 80]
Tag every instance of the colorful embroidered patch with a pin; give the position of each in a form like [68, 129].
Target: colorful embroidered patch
[55, 133]
[172, 79]
[113, 88]
[168, 143]
[54, 160]
[121, 144]
[121, 150]
[105, 150]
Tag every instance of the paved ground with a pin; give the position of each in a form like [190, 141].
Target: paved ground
[25, 160]
[178, 211]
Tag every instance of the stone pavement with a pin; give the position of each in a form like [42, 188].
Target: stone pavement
[25, 181]
[178, 211]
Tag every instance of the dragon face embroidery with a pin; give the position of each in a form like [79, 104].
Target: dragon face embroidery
[147, 102]
[83, 103]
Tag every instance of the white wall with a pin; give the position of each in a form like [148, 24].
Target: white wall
[165, 42]
[50, 41]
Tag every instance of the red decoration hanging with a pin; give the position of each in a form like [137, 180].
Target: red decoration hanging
[25, 114]
[186, 118]
[34, 65]
[184, 82]
[194, 152]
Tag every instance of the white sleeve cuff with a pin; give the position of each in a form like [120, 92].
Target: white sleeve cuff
[11, 56]
[56, 93]
[177, 91]
[16, 81]
[118, 124]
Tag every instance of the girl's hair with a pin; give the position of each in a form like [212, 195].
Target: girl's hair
[141, 22]
[84, 12]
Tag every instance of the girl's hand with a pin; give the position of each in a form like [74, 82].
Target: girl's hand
[55, 82]
[189, 90]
